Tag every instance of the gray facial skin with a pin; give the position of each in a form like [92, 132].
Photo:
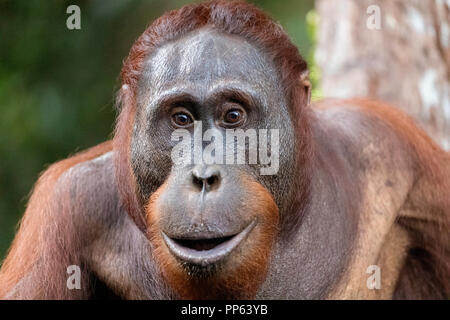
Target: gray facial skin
[205, 71]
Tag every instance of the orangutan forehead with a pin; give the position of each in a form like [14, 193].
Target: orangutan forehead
[206, 57]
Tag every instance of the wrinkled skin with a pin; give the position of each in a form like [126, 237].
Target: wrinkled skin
[207, 70]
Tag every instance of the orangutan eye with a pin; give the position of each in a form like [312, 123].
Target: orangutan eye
[182, 119]
[233, 117]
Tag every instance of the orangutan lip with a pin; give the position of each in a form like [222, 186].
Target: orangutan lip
[206, 251]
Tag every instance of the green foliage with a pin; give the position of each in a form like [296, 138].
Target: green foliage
[57, 85]
[312, 19]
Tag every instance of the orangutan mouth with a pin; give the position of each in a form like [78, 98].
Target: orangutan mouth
[204, 252]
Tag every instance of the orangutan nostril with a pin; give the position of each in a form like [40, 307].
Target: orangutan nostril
[211, 180]
[205, 180]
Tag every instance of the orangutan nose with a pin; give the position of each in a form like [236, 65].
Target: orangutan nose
[206, 178]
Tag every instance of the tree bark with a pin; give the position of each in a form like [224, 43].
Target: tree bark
[404, 60]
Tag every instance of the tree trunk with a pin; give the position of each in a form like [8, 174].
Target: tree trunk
[394, 50]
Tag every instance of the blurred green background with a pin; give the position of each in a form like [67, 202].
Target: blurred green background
[57, 85]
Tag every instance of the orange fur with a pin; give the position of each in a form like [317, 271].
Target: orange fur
[29, 246]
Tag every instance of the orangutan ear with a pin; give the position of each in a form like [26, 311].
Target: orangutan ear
[306, 83]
